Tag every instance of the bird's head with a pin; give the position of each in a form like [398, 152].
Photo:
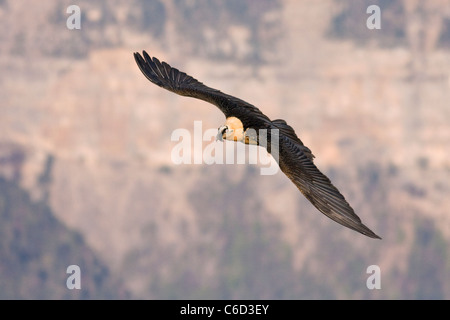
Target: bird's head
[222, 133]
[232, 130]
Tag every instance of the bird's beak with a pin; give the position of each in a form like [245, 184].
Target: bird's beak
[219, 136]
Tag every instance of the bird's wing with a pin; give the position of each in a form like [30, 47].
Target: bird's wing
[163, 75]
[296, 161]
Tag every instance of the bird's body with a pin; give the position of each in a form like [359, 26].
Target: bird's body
[243, 124]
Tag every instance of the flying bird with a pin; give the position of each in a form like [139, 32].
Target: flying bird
[243, 124]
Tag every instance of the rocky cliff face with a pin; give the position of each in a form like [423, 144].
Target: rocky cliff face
[85, 134]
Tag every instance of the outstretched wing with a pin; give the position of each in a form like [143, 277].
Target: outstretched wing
[163, 75]
[296, 161]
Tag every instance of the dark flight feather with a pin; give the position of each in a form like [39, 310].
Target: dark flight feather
[180, 83]
[295, 159]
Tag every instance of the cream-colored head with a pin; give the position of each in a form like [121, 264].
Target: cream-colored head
[232, 130]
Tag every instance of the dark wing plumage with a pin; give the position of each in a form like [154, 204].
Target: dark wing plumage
[167, 77]
[296, 161]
